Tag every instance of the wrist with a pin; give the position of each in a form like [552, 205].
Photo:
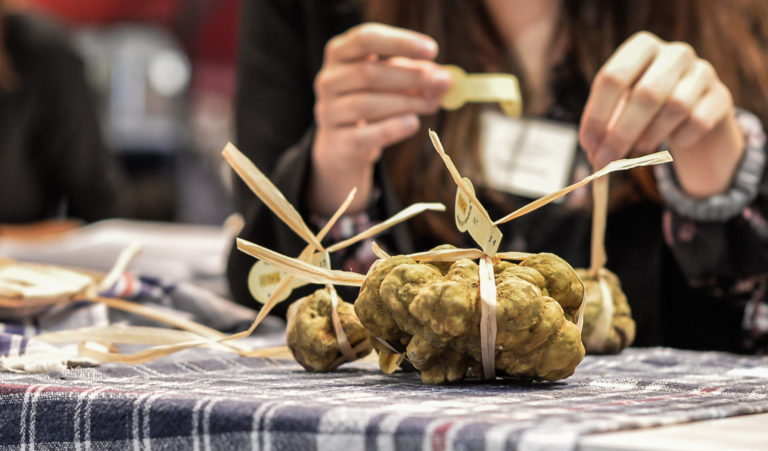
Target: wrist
[743, 187]
[707, 167]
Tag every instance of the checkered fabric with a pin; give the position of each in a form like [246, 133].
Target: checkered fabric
[19, 349]
[236, 403]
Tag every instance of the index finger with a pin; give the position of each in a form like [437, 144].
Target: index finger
[612, 81]
[378, 39]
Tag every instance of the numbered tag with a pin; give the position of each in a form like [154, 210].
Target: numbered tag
[264, 278]
[470, 219]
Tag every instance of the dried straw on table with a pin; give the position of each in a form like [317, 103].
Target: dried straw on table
[17, 296]
[273, 198]
[303, 270]
[487, 287]
[269, 194]
[198, 335]
[203, 335]
[34, 275]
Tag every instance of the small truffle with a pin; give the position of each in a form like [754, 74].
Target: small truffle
[310, 334]
[608, 324]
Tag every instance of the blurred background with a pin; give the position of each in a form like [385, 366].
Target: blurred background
[163, 71]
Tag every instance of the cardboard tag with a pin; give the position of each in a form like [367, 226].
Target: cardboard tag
[264, 277]
[470, 219]
[501, 88]
[526, 157]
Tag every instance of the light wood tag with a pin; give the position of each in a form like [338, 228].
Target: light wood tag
[501, 88]
[470, 218]
[264, 278]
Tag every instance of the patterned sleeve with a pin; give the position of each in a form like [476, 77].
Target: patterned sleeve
[357, 257]
[721, 242]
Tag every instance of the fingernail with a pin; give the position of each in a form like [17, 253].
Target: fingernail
[442, 78]
[429, 47]
[410, 122]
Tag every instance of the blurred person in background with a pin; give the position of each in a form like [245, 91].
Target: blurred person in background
[163, 72]
[53, 161]
[325, 104]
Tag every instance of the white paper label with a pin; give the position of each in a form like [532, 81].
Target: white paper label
[526, 157]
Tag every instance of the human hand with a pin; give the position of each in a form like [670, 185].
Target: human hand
[652, 91]
[374, 82]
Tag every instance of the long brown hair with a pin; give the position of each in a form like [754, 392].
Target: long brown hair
[732, 35]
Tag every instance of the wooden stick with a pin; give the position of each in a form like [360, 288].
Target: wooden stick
[381, 253]
[286, 283]
[403, 215]
[268, 193]
[455, 174]
[618, 165]
[42, 282]
[341, 338]
[123, 260]
[488, 317]
[299, 268]
[336, 215]
[446, 255]
[140, 335]
[599, 217]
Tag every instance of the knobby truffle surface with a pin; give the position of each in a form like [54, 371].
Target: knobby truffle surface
[432, 313]
[310, 334]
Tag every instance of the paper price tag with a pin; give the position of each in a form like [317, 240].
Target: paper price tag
[264, 277]
[470, 219]
[501, 88]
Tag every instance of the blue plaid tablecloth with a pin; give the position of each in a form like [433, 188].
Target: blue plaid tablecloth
[240, 403]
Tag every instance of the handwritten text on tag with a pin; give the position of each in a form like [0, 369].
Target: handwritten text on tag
[470, 219]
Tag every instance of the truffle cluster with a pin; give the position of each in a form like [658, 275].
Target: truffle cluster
[431, 312]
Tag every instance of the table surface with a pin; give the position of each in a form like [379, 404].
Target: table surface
[653, 398]
[236, 402]
[743, 432]
[747, 432]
